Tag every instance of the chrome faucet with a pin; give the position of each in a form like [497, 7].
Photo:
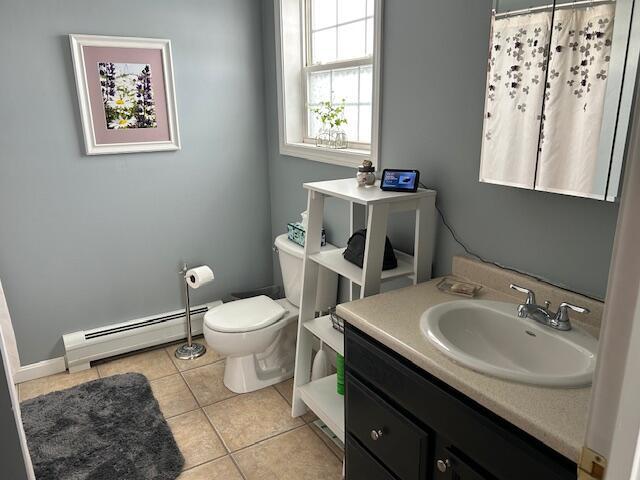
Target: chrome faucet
[541, 314]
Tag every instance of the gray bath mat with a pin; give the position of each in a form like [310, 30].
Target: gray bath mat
[106, 429]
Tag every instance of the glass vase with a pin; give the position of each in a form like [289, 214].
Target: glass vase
[335, 138]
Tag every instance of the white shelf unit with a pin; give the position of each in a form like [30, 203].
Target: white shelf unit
[334, 261]
[322, 328]
[369, 207]
[322, 397]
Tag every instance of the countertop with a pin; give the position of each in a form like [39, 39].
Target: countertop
[555, 416]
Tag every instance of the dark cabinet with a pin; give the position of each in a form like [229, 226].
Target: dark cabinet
[404, 424]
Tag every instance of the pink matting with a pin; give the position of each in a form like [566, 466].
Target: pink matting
[153, 57]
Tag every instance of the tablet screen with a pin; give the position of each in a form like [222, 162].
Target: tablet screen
[399, 180]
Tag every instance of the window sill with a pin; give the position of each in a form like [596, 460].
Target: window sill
[345, 157]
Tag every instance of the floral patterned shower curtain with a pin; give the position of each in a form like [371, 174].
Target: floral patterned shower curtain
[513, 102]
[575, 99]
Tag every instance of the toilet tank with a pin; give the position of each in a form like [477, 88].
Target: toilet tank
[291, 255]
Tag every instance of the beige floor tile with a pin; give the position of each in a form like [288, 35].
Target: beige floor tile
[246, 419]
[294, 455]
[152, 364]
[173, 395]
[52, 383]
[221, 469]
[209, 357]
[207, 385]
[196, 438]
[286, 390]
[337, 451]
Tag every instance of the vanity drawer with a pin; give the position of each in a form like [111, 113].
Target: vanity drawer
[387, 434]
[361, 465]
[479, 433]
[451, 465]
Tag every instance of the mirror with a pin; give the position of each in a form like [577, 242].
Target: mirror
[557, 105]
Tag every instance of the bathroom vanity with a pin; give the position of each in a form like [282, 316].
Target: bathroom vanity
[412, 413]
[403, 420]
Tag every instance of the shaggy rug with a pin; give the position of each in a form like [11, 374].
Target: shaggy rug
[106, 429]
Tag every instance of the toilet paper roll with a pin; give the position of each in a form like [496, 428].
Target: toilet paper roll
[198, 276]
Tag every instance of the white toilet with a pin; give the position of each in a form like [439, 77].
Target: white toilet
[258, 335]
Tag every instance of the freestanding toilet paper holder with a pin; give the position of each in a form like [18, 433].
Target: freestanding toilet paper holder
[189, 350]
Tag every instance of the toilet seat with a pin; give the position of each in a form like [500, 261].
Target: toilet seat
[244, 315]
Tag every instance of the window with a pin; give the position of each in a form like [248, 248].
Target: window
[339, 67]
[328, 51]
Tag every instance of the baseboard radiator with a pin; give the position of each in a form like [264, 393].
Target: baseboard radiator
[85, 346]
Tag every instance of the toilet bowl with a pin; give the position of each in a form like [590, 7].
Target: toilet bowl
[258, 335]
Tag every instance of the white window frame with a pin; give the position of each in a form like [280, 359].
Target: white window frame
[291, 69]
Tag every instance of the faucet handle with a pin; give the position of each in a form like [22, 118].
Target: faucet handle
[561, 320]
[563, 310]
[531, 296]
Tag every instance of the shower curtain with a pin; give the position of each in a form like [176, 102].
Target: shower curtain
[543, 119]
[575, 99]
[514, 96]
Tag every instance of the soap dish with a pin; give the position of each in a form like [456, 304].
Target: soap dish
[457, 287]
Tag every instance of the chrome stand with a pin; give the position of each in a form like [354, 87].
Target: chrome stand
[189, 350]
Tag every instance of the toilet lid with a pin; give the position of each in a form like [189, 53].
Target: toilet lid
[244, 315]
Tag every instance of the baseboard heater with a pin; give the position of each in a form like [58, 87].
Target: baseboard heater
[85, 346]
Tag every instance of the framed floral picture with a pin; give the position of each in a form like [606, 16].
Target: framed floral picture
[126, 93]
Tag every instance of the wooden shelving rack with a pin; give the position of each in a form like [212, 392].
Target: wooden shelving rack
[373, 206]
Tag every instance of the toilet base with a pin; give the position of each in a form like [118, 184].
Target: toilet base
[242, 375]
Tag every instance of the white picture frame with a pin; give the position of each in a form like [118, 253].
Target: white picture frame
[93, 134]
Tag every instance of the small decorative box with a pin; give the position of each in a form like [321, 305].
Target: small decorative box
[296, 233]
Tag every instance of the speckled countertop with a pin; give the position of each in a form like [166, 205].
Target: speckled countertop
[555, 416]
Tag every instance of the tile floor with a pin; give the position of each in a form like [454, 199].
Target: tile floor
[222, 435]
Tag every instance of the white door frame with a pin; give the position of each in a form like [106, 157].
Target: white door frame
[614, 417]
[13, 393]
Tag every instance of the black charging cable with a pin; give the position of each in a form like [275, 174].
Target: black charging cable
[470, 252]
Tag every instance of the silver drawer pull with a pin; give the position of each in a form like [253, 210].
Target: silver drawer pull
[376, 434]
[443, 465]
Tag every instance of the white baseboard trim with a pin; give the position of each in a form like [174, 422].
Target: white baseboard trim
[86, 346]
[80, 351]
[40, 369]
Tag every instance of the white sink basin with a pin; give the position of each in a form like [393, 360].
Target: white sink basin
[490, 338]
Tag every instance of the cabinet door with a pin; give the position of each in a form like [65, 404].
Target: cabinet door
[385, 432]
[361, 465]
[450, 466]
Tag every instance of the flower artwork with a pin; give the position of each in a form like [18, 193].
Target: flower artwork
[127, 95]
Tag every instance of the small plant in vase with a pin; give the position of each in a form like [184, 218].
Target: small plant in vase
[332, 118]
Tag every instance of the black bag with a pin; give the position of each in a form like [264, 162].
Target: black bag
[354, 252]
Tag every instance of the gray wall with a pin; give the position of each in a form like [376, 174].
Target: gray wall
[434, 60]
[10, 451]
[87, 241]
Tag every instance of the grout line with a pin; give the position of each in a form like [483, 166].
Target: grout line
[215, 430]
[281, 394]
[204, 463]
[319, 434]
[141, 373]
[306, 422]
[238, 467]
[194, 394]
[256, 442]
[224, 445]
[269, 438]
[217, 401]
[178, 414]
